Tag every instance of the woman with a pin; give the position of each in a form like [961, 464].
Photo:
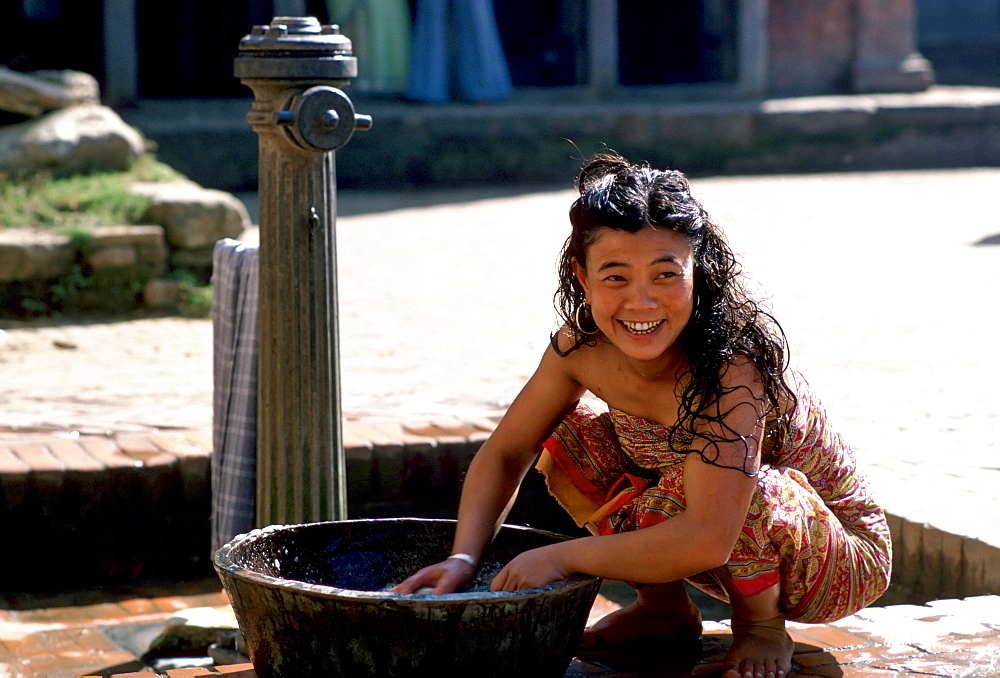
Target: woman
[713, 464]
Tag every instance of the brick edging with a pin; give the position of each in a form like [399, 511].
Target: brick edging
[56, 488]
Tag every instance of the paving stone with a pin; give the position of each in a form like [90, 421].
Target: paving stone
[985, 609]
[829, 636]
[46, 470]
[861, 655]
[107, 452]
[387, 460]
[141, 448]
[236, 671]
[13, 480]
[193, 460]
[74, 457]
[849, 672]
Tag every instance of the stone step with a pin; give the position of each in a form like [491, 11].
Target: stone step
[541, 137]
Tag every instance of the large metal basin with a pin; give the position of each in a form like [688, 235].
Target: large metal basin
[311, 601]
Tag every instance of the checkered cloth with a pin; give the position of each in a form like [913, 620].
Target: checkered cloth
[234, 402]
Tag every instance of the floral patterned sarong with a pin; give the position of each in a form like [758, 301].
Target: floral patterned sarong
[812, 524]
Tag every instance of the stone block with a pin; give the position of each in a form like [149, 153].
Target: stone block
[193, 462]
[198, 259]
[118, 486]
[386, 478]
[981, 561]
[138, 236]
[13, 481]
[798, 116]
[236, 671]
[47, 473]
[953, 570]
[912, 73]
[39, 91]
[140, 250]
[360, 461]
[26, 254]
[911, 545]
[78, 504]
[193, 217]
[935, 564]
[421, 478]
[70, 141]
[161, 293]
[190, 632]
[700, 125]
[120, 256]
[159, 478]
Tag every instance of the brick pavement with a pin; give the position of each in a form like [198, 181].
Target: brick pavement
[72, 633]
[944, 638]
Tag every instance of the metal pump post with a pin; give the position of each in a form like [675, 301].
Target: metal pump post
[295, 68]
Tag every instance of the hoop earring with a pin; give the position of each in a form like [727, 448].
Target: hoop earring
[589, 315]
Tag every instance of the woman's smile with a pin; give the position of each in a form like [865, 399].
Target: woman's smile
[641, 327]
[640, 287]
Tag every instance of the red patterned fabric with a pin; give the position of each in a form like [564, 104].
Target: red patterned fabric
[812, 524]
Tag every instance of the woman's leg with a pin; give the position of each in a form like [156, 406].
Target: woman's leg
[761, 646]
[663, 611]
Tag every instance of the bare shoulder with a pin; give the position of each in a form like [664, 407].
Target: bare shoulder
[742, 379]
[740, 374]
[550, 391]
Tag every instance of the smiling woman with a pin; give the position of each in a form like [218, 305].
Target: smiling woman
[640, 291]
[712, 461]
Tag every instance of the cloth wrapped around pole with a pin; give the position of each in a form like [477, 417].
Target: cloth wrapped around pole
[234, 403]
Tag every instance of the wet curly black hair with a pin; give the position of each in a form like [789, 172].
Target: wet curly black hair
[727, 322]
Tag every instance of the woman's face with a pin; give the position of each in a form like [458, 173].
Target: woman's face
[640, 287]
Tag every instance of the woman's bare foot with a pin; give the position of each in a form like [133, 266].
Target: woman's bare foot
[760, 649]
[761, 646]
[662, 611]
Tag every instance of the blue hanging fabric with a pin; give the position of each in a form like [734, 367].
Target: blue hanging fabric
[457, 39]
[483, 74]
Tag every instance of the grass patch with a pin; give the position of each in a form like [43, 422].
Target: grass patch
[194, 299]
[77, 203]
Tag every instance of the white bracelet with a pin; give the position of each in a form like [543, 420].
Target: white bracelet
[465, 558]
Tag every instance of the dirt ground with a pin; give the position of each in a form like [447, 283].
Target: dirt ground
[445, 308]
[91, 376]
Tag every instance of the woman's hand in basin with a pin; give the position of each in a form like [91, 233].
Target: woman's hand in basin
[536, 567]
[448, 576]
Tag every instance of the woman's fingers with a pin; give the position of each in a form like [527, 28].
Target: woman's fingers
[447, 576]
[528, 570]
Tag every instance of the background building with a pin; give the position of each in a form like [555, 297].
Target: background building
[185, 48]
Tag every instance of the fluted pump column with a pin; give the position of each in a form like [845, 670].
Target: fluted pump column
[295, 67]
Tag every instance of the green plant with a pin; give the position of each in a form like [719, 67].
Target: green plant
[80, 201]
[70, 284]
[80, 236]
[194, 300]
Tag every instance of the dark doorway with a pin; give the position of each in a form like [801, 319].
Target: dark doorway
[186, 47]
[53, 35]
[682, 41]
[544, 41]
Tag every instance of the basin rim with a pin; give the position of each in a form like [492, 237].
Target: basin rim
[224, 564]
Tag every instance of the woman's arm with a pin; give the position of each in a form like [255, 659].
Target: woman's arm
[497, 470]
[698, 539]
